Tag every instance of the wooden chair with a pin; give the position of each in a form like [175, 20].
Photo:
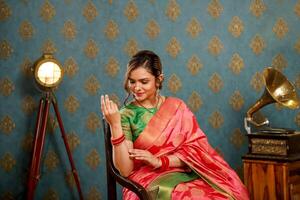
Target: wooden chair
[113, 175]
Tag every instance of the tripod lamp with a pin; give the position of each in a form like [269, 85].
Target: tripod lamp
[48, 73]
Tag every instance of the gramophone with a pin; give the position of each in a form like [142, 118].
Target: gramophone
[266, 141]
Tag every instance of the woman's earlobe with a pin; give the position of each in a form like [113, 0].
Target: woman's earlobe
[158, 83]
[161, 78]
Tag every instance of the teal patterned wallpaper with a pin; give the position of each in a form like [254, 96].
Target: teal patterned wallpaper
[213, 52]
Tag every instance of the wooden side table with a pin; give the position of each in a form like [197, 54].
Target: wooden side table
[271, 180]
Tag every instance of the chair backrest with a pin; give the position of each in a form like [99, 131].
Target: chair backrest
[113, 174]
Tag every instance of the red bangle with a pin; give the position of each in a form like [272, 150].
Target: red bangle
[165, 163]
[117, 141]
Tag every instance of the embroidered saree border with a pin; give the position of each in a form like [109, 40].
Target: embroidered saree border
[157, 123]
[167, 182]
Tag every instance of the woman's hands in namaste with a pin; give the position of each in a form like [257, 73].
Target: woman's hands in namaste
[145, 156]
[110, 111]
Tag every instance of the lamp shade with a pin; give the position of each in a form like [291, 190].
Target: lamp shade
[48, 72]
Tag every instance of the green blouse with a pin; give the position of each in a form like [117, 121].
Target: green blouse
[134, 119]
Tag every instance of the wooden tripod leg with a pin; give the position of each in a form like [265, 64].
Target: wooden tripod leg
[63, 134]
[39, 138]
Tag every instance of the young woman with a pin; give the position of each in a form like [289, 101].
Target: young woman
[157, 141]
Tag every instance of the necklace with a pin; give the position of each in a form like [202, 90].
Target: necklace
[158, 99]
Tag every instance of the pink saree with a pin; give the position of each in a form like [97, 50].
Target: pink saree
[174, 130]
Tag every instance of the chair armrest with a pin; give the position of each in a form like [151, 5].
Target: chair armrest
[112, 171]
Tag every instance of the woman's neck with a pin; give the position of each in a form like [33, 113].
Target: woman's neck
[148, 103]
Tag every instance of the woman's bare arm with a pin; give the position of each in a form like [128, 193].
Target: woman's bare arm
[121, 158]
[150, 159]
[120, 154]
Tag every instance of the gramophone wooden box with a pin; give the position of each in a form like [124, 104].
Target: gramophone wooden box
[266, 145]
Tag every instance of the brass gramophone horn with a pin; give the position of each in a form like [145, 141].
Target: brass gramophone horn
[277, 89]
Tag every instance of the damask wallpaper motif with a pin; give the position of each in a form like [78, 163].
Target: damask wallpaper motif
[213, 53]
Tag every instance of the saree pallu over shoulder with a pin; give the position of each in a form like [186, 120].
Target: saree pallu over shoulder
[174, 130]
[157, 123]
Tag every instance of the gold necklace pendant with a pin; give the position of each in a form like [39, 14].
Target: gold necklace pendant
[148, 109]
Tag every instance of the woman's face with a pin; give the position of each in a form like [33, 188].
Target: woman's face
[142, 84]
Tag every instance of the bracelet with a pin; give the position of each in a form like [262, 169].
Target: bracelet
[165, 163]
[117, 141]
